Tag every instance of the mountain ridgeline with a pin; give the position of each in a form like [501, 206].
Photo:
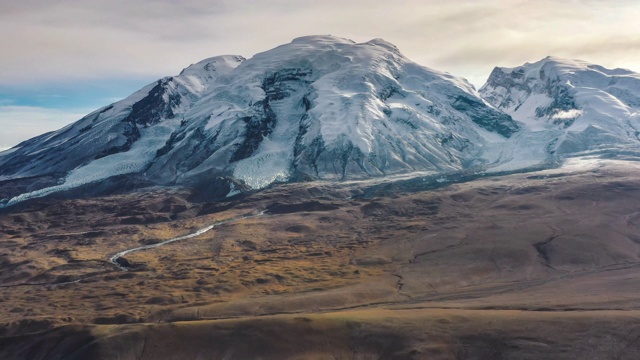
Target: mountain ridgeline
[584, 108]
[327, 108]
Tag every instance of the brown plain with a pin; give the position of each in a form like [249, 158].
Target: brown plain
[527, 266]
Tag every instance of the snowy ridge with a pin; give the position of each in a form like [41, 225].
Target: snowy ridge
[323, 107]
[583, 108]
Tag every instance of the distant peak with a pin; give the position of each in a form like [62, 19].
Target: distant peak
[561, 60]
[383, 43]
[321, 39]
[222, 63]
[568, 67]
[330, 39]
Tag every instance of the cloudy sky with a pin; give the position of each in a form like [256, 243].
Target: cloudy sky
[61, 59]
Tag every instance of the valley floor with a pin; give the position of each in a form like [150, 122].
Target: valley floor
[535, 265]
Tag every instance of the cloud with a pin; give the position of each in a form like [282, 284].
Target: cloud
[96, 51]
[19, 123]
[569, 114]
[95, 39]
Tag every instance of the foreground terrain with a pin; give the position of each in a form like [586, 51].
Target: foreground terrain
[534, 265]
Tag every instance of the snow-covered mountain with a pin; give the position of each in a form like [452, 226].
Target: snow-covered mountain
[323, 107]
[570, 107]
[320, 107]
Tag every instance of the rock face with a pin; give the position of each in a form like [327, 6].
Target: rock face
[584, 108]
[320, 107]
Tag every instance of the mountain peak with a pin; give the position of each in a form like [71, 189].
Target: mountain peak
[221, 64]
[383, 43]
[320, 107]
[331, 41]
[585, 108]
[321, 39]
[558, 67]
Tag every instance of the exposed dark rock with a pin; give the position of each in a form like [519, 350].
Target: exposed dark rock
[488, 118]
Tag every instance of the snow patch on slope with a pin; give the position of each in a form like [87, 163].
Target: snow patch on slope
[134, 161]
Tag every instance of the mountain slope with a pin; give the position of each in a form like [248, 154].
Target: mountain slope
[328, 108]
[320, 107]
[121, 138]
[581, 108]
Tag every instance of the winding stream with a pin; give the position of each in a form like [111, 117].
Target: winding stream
[114, 259]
